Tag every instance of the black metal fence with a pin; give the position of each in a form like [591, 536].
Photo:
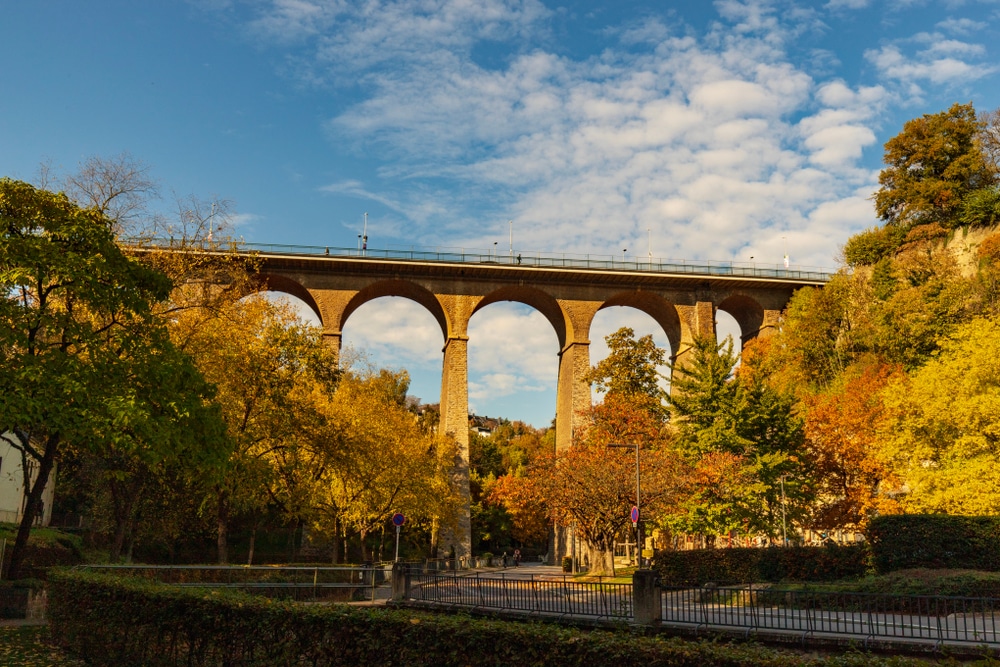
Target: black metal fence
[534, 595]
[876, 616]
[300, 583]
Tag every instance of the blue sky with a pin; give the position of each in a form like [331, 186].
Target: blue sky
[728, 130]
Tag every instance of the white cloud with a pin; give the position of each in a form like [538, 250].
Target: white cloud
[961, 26]
[718, 140]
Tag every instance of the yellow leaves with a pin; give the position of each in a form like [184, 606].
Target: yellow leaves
[944, 440]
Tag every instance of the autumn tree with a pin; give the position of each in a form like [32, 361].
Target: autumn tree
[384, 460]
[591, 486]
[77, 314]
[844, 426]
[942, 440]
[930, 168]
[267, 369]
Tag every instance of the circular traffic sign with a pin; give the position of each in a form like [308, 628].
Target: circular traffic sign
[635, 514]
[398, 519]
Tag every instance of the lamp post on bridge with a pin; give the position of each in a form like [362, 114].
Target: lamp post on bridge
[636, 515]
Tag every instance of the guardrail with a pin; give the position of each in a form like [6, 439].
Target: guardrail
[534, 595]
[300, 583]
[521, 259]
[867, 616]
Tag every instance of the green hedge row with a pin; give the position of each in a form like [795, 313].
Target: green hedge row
[109, 621]
[739, 566]
[904, 541]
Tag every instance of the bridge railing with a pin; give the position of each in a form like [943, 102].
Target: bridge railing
[522, 259]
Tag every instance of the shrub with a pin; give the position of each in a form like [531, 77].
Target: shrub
[109, 621]
[904, 541]
[736, 566]
[868, 247]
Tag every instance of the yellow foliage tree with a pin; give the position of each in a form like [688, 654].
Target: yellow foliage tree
[943, 438]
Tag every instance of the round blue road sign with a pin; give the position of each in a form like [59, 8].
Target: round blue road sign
[635, 514]
[398, 519]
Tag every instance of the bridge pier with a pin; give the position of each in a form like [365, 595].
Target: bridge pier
[455, 424]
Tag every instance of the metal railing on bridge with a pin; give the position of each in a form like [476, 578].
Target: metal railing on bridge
[522, 259]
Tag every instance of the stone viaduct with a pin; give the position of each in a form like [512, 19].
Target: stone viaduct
[681, 298]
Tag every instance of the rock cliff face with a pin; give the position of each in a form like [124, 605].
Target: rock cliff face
[964, 246]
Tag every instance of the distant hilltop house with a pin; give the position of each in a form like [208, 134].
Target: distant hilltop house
[12, 496]
[483, 425]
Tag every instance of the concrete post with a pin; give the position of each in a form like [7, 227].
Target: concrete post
[400, 582]
[646, 600]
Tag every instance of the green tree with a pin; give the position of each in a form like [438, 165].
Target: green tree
[930, 168]
[630, 369]
[738, 428]
[75, 313]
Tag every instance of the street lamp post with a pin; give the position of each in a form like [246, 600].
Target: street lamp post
[784, 531]
[638, 524]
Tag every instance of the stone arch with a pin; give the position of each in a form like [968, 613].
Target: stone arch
[269, 282]
[662, 311]
[747, 312]
[541, 301]
[402, 288]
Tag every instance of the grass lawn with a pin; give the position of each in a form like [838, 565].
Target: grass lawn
[28, 645]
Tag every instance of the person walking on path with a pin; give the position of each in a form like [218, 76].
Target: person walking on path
[517, 557]
[503, 560]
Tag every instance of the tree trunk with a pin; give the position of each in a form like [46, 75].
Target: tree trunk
[364, 555]
[603, 562]
[32, 507]
[336, 541]
[223, 526]
[435, 535]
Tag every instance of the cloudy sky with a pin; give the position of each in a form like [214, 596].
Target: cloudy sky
[726, 131]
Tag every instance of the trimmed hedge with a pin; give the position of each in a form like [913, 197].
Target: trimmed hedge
[906, 541]
[742, 565]
[109, 621]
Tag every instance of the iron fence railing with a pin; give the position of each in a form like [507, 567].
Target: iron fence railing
[870, 616]
[520, 259]
[535, 595]
[300, 583]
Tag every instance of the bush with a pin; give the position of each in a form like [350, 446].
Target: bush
[739, 566]
[108, 621]
[936, 541]
[868, 247]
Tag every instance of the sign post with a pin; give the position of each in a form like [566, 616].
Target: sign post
[634, 515]
[398, 520]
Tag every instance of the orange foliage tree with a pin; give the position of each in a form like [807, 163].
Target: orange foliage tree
[842, 436]
[592, 487]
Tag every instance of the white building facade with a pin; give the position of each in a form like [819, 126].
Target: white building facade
[12, 496]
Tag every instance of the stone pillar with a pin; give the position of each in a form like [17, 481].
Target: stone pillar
[696, 320]
[770, 324]
[646, 601]
[572, 391]
[455, 422]
[334, 340]
[400, 582]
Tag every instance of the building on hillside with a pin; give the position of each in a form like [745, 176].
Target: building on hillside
[12, 498]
